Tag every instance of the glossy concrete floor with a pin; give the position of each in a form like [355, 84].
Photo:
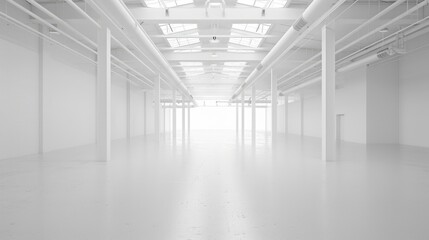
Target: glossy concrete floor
[214, 186]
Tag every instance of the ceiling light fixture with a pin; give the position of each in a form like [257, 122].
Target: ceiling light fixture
[214, 40]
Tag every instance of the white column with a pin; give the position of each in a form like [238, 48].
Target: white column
[242, 116]
[40, 88]
[253, 113]
[328, 94]
[189, 119]
[266, 118]
[273, 107]
[144, 113]
[103, 93]
[128, 110]
[157, 104]
[237, 120]
[286, 114]
[301, 113]
[163, 119]
[174, 115]
[183, 117]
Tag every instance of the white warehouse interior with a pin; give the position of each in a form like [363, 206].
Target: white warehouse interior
[214, 119]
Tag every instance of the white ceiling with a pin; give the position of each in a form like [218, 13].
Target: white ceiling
[182, 30]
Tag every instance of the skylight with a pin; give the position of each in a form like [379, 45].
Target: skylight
[166, 3]
[175, 28]
[261, 29]
[252, 28]
[248, 42]
[180, 42]
[264, 3]
[191, 64]
[235, 64]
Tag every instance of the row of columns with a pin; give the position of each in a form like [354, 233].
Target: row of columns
[103, 126]
[328, 101]
[185, 105]
[103, 100]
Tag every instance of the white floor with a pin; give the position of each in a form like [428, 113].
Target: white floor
[215, 187]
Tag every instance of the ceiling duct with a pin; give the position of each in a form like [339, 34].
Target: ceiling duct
[315, 10]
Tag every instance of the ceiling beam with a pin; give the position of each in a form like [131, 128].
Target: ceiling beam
[232, 15]
[221, 56]
[216, 35]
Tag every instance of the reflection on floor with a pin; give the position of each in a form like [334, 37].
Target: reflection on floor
[213, 186]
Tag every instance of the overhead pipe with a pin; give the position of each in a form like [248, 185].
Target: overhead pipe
[44, 36]
[420, 5]
[68, 26]
[129, 24]
[368, 60]
[314, 11]
[347, 36]
[89, 18]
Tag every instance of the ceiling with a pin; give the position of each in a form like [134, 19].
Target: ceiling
[214, 45]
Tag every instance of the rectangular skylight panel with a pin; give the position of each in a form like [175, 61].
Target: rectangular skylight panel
[252, 28]
[230, 69]
[235, 64]
[248, 42]
[180, 42]
[263, 3]
[191, 64]
[278, 3]
[175, 28]
[246, 2]
[184, 2]
[166, 3]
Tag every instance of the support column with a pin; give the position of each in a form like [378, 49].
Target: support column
[128, 110]
[41, 87]
[253, 113]
[103, 93]
[266, 119]
[242, 116]
[144, 113]
[174, 115]
[157, 104]
[189, 119]
[286, 113]
[237, 120]
[328, 94]
[273, 107]
[183, 117]
[163, 119]
[301, 113]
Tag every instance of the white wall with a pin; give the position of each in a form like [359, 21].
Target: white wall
[313, 116]
[68, 98]
[383, 99]
[294, 117]
[119, 108]
[137, 112]
[18, 93]
[351, 101]
[414, 94]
